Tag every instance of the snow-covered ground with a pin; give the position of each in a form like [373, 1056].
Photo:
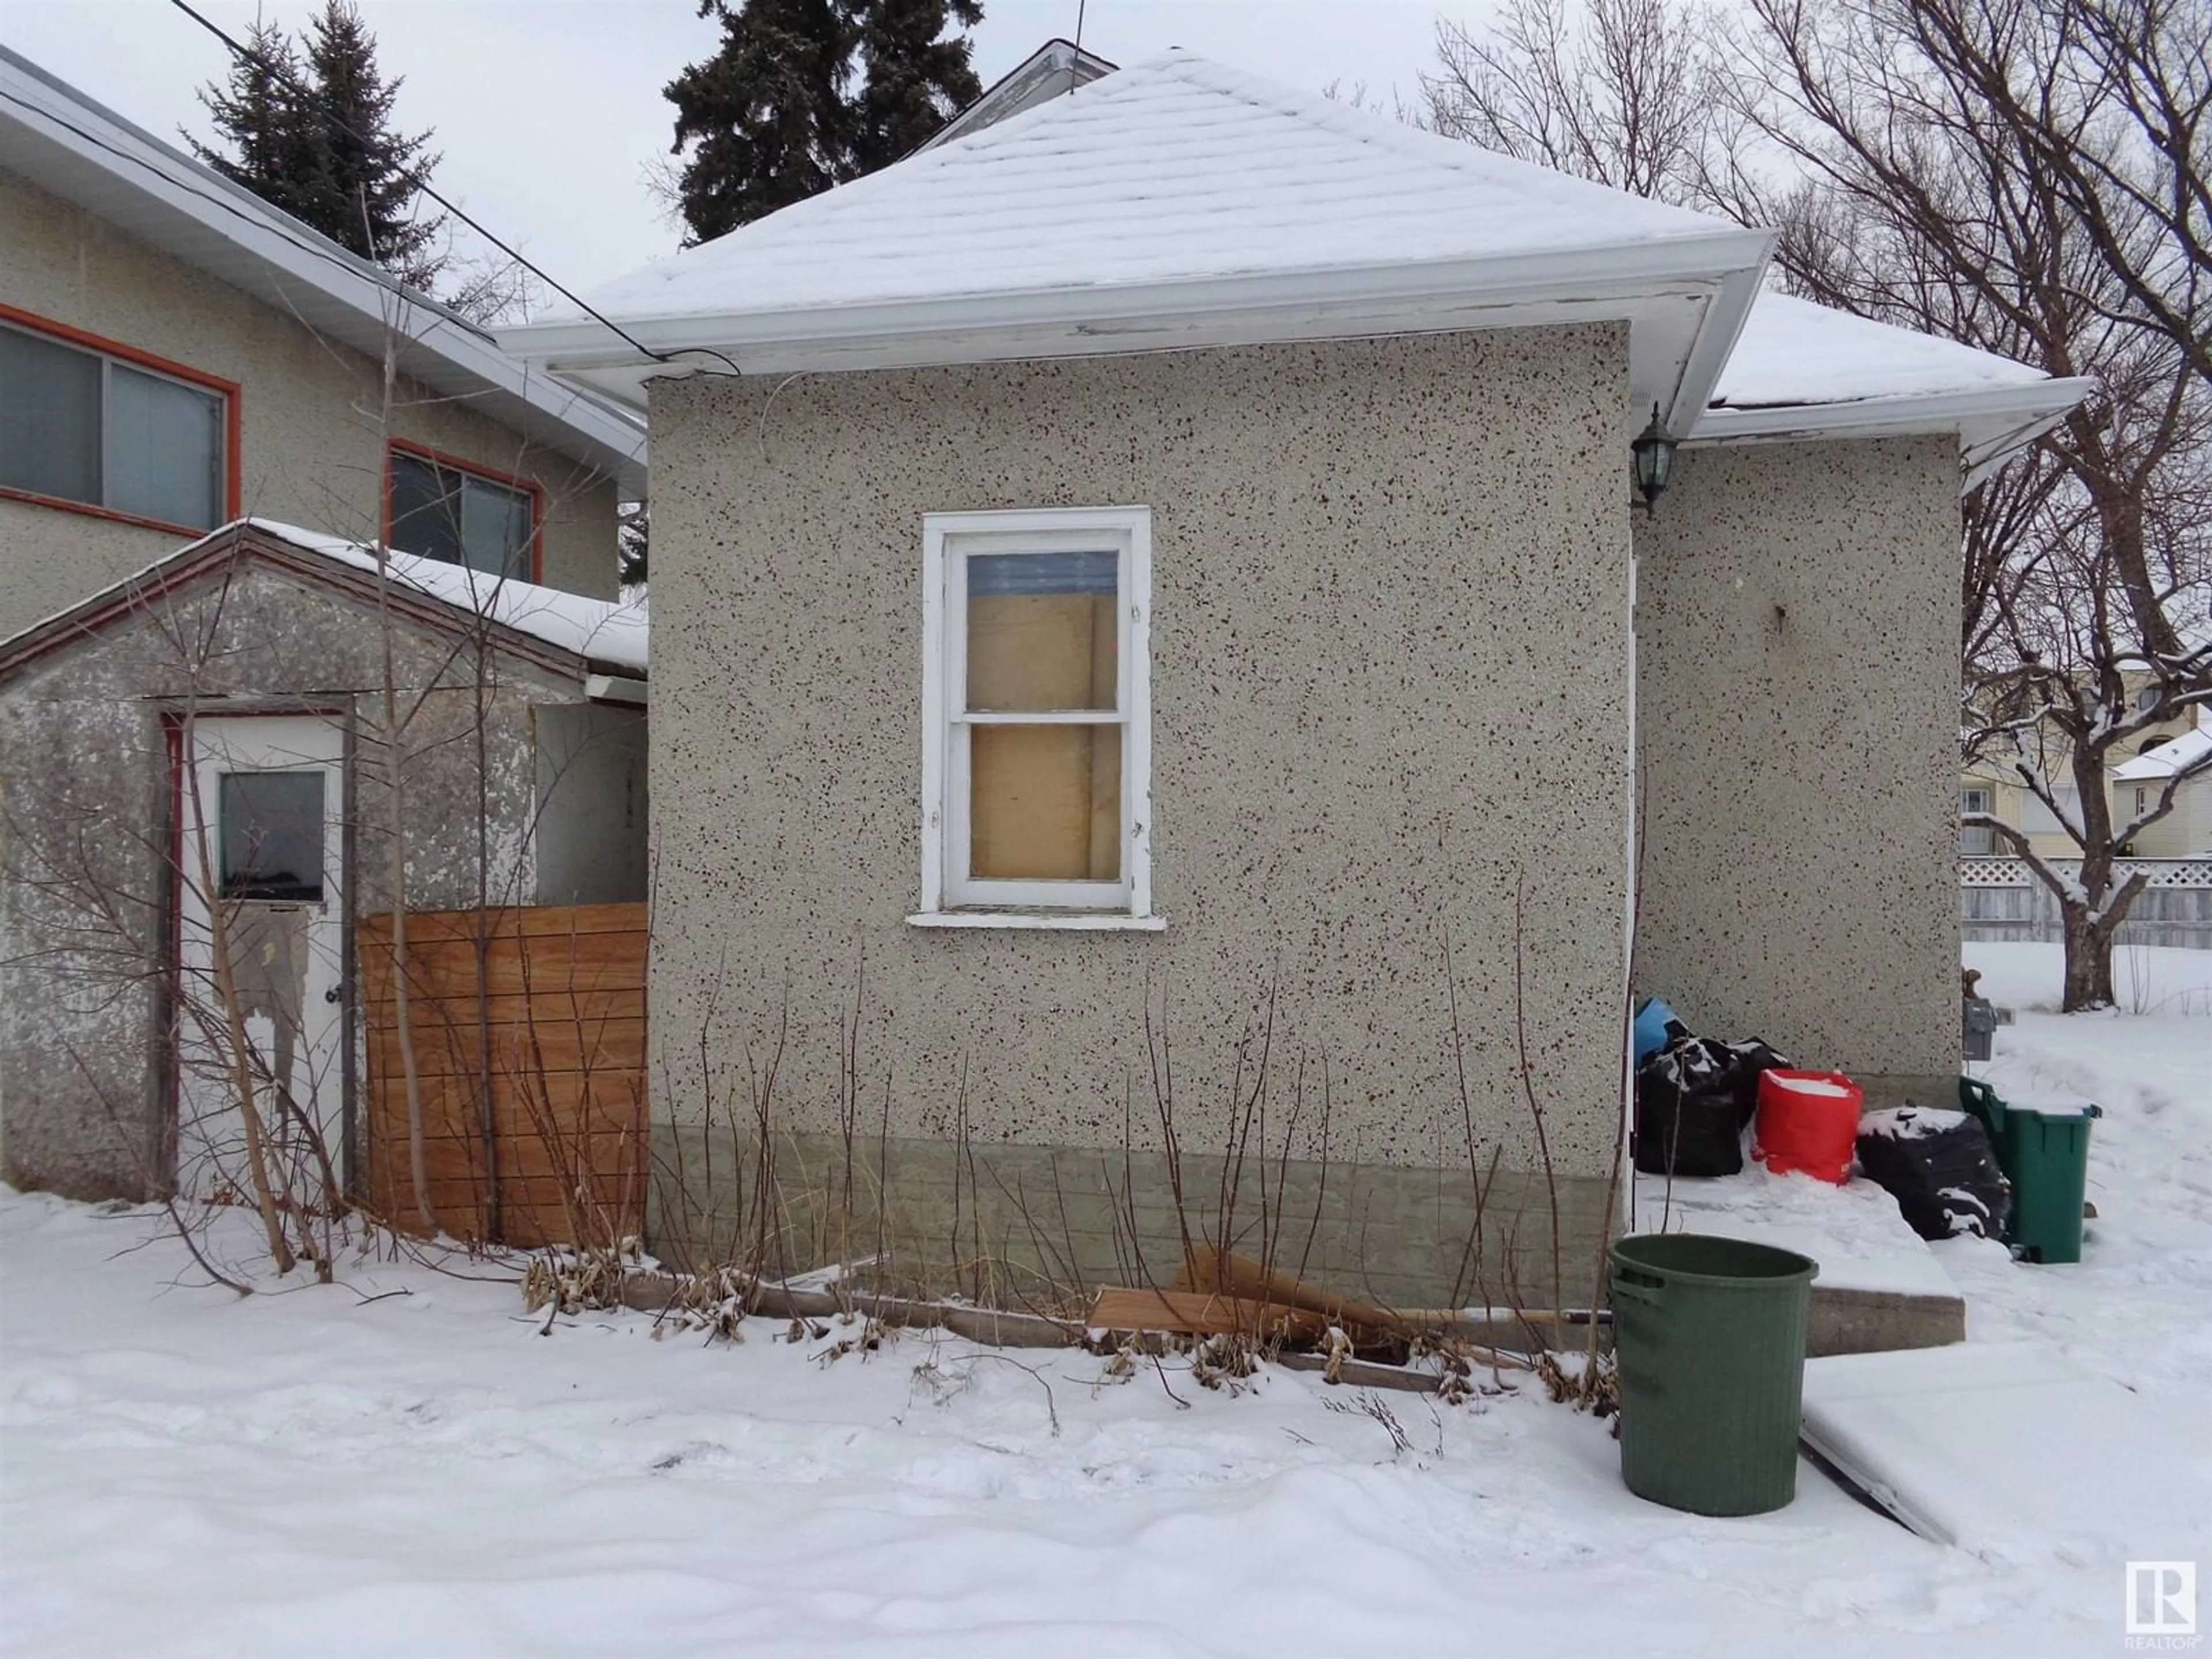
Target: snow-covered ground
[2138, 1307]
[2147, 979]
[317, 1472]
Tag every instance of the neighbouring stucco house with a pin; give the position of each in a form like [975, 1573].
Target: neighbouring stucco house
[175, 353]
[1162, 670]
[214, 732]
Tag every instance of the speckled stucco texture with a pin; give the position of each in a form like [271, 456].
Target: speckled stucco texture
[84, 788]
[1389, 700]
[311, 447]
[1797, 674]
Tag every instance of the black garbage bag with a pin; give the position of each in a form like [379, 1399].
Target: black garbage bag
[1750, 1058]
[1693, 1100]
[1939, 1167]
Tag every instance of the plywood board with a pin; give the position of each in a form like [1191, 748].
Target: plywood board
[1200, 1313]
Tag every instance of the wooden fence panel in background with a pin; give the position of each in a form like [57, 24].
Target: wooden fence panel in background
[2000, 898]
[528, 1028]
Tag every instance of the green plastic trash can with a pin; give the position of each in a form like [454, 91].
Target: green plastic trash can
[2045, 1152]
[1710, 1335]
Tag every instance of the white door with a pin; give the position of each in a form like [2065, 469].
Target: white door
[260, 818]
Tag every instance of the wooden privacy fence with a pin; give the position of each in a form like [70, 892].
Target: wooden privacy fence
[529, 1036]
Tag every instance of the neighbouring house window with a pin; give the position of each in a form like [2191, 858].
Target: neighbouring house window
[447, 513]
[1036, 737]
[2143, 799]
[78, 425]
[270, 828]
[1975, 840]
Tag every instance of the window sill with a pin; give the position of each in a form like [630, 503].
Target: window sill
[1091, 922]
[63, 504]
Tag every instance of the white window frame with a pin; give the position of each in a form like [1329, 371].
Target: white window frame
[1976, 839]
[950, 896]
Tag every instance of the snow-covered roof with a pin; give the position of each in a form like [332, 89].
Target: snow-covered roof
[1175, 190]
[1793, 351]
[600, 630]
[607, 634]
[1179, 203]
[1175, 170]
[73, 146]
[2157, 764]
[1799, 369]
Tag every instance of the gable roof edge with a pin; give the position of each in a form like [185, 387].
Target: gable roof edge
[1059, 59]
[1729, 258]
[1993, 423]
[248, 540]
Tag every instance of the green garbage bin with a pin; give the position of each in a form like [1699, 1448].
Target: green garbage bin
[1710, 1334]
[2045, 1152]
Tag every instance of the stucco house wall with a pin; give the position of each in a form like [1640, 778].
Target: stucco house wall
[311, 449]
[1797, 640]
[1390, 708]
[85, 815]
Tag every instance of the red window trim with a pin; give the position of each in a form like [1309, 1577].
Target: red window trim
[516, 481]
[233, 492]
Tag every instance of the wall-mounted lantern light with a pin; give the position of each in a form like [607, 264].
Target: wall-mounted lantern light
[1655, 460]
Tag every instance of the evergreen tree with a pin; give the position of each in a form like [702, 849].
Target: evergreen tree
[633, 534]
[314, 136]
[766, 113]
[803, 94]
[367, 175]
[914, 79]
[261, 115]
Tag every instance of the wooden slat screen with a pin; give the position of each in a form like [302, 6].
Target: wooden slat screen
[547, 1041]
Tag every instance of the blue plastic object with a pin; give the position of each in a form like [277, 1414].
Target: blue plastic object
[1651, 1022]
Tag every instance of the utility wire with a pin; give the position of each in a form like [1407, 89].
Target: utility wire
[420, 179]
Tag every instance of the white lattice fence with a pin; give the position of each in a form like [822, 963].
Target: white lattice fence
[2000, 898]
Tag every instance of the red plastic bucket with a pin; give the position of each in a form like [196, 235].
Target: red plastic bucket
[1807, 1121]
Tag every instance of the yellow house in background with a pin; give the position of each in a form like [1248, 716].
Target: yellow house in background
[2186, 831]
[1993, 787]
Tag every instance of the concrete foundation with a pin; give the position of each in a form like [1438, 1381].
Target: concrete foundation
[1043, 1227]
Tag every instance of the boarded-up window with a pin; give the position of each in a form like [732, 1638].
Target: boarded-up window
[1037, 711]
[1045, 799]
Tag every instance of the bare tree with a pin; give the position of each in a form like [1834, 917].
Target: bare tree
[2143, 70]
[1620, 92]
[2026, 176]
[1919, 191]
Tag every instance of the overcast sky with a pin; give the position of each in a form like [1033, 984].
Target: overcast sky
[547, 111]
